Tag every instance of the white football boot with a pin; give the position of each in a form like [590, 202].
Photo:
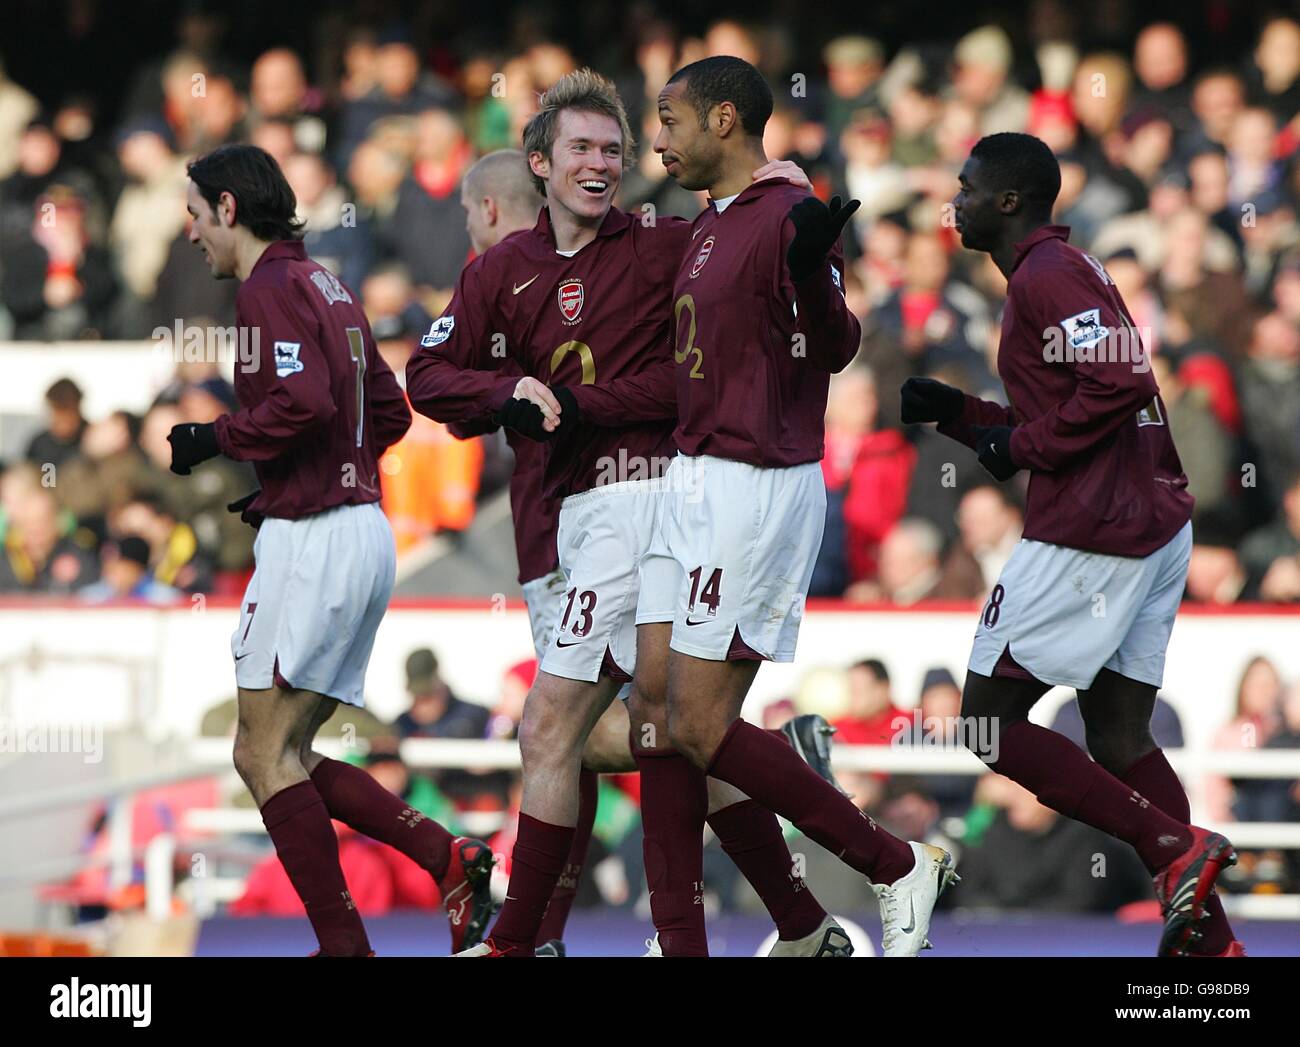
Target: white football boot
[828, 940]
[652, 947]
[907, 903]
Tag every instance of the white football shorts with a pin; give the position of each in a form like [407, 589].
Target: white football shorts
[318, 593]
[603, 538]
[1064, 614]
[735, 556]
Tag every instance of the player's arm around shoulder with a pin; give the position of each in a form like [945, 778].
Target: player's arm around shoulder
[292, 370]
[454, 374]
[1072, 319]
[810, 270]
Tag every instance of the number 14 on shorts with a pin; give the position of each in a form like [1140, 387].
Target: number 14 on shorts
[711, 595]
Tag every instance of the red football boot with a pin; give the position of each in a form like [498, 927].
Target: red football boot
[466, 891]
[1183, 886]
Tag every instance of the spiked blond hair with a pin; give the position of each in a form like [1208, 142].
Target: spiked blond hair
[586, 91]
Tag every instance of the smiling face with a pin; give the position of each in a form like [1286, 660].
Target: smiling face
[691, 154]
[213, 231]
[977, 209]
[583, 172]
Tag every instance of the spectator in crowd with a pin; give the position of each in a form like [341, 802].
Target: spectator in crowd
[278, 90]
[1268, 382]
[399, 88]
[854, 66]
[869, 717]
[936, 721]
[909, 565]
[428, 207]
[435, 712]
[1032, 858]
[125, 575]
[175, 558]
[1205, 447]
[17, 109]
[149, 215]
[508, 712]
[335, 234]
[65, 426]
[866, 471]
[58, 283]
[1160, 67]
[1274, 799]
[1271, 554]
[1256, 720]
[1273, 75]
[989, 525]
[982, 79]
[44, 549]
[106, 471]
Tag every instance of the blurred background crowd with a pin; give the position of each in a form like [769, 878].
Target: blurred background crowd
[1177, 128]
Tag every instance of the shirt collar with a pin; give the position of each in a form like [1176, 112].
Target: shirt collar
[615, 222]
[281, 249]
[1038, 236]
[755, 190]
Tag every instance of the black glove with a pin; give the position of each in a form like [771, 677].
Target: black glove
[252, 518]
[993, 446]
[526, 418]
[925, 400]
[816, 229]
[192, 444]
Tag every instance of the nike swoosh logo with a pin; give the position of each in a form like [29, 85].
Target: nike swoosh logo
[561, 643]
[689, 622]
[520, 287]
[911, 915]
[244, 655]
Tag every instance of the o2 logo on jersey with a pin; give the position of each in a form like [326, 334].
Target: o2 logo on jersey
[439, 332]
[706, 249]
[571, 297]
[286, 358]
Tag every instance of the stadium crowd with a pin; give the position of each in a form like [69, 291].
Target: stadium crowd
[1181, 174]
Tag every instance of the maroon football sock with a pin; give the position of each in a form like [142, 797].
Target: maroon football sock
[1063, 778]
[1155, 779]
[299, 826]
[540, 852]
[769, 771]
[751, 836]
[566, 888]
[356, 799]
[674, 803]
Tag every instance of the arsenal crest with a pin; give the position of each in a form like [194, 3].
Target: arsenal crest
[571, 296]
[706, 249]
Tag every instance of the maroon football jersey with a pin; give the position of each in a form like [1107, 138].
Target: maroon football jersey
[597, 317]
[754, 353]
[1093, 431]
[321, 406]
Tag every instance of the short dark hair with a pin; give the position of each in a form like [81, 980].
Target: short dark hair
[723, 78]
[875, 667]
[266, 204]
[63, 393]
[1011, 160]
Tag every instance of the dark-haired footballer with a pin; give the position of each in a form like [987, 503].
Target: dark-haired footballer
[760, 324]
[320, 407]
[1089, 596]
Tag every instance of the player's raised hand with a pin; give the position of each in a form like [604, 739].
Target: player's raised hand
[784, 169]
[816, 229]
[925, 400]
[191, 444]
